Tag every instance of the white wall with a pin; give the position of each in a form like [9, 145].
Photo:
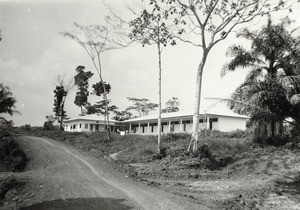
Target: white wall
[231, 123]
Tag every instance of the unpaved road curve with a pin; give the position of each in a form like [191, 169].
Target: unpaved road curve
[63, 177]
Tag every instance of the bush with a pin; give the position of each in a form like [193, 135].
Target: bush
[220, 134]
[26, 127]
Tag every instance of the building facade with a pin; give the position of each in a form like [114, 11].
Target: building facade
[90, 123]
[177, 122]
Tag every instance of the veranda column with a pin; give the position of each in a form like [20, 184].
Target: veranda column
[148, 127]
[129, 128]
[180, 126]
[207, 122]
[169, 126]
[139, 127]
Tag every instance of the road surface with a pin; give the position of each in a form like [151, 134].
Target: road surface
[63, 177]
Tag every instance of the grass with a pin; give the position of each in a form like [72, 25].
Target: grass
[139, 148]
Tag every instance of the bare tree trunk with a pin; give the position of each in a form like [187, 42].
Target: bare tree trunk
[193, 145]
[159, 101]
[61, 117]
[106, 116]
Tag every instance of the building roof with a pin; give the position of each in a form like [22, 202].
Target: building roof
[90, 117]
[215, 111]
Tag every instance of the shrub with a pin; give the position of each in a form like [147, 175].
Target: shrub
[26, 127]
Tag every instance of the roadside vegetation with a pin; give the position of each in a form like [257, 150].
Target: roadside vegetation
[12, 158]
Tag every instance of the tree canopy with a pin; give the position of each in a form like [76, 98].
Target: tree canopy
[271, 90]
[141, 105]
[81, 81]
[7, 101]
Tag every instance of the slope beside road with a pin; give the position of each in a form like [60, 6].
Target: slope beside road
[59, 176]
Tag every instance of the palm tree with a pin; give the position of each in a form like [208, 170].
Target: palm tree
[7, 102]
[271, 90]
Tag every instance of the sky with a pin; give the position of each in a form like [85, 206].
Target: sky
[33, 53]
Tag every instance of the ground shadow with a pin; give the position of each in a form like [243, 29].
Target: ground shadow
[79, 204]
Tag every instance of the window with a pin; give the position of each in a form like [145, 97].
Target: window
[86, 126]
[213, 120]
[202, 120]
[79, 125]
[175, 122]
[187, 121]
[97, 127]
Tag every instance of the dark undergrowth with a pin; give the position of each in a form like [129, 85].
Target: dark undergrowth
[12, 159]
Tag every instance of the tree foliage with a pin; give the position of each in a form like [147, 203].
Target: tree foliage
[49, 123]
[100, 87]
[141, 105]
[7, 101]
[99, 108]
[172, 105]
[81, 81]
[122, 115]
[60, 95]
[271, 89]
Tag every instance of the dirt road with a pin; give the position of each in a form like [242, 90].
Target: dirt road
[62, 177]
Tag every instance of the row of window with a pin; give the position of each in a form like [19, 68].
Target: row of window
[173, 123]
[178, 122]
[86, 126]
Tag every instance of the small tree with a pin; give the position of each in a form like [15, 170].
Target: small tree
[81, 81]
[141, 105]
[49, 123]
[60, 95]
[172, 105]
[150, 28]
[97, 39]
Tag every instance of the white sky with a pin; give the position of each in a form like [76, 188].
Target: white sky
[33, 53]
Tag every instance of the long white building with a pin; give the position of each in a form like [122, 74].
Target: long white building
[182, 122]
[214, 118]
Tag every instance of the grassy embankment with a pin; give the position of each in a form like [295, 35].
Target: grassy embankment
[138, 148]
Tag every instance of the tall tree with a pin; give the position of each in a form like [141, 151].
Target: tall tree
[152, 27]
[97, 39]
[210, 22]
[271, 91]
[172, 105]
[60, 95]
[81, 81]
[141, 105]
[7, 101]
